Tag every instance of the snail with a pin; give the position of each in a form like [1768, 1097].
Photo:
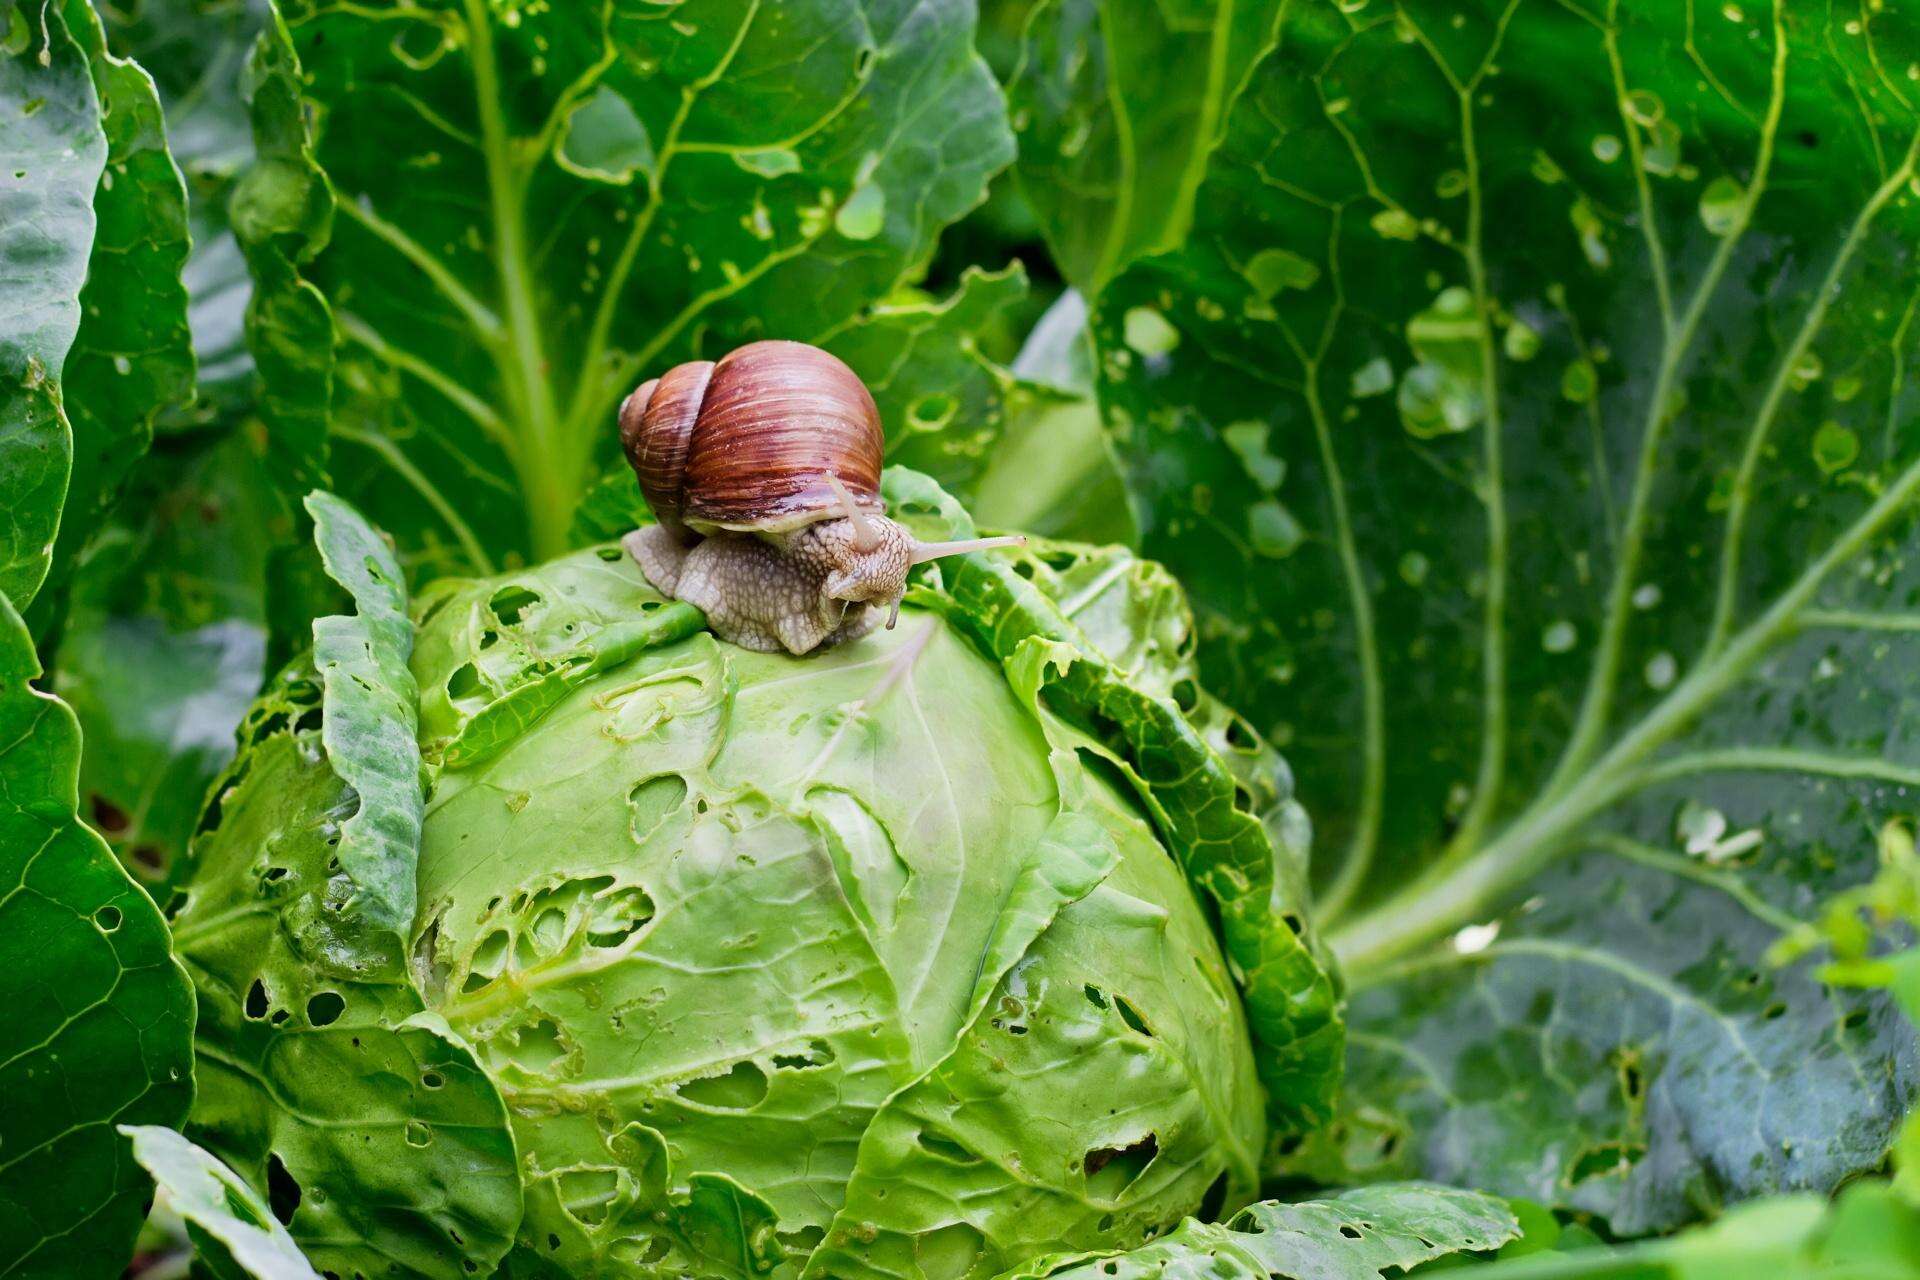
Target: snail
[763, 472]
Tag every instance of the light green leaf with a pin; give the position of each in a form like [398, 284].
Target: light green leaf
[370, 711]
[53, 151]
[1525, 632]
[1211, 822]
[488, 341]
[706, 794]
[1363, 1234]
[231, 1226]
[1117, 105]
[99, 1017]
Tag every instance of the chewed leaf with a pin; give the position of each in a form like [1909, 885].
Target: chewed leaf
[371, 710]
[227, 1218]
[1365, 1234]
[1584, 508]
[1122, 692]
[99, 1018]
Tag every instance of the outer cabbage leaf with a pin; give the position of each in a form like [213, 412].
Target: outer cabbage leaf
[382, 1143]
[1116, 105]
[1526, 478]
[231, 1226]
[1204, 814]
[55, 154]
[1362, 1234]
[196, 52]
[282, 211]
[99, 1017]
[132, 357]
[634, 184]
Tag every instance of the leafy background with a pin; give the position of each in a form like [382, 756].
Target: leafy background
[1519, 390]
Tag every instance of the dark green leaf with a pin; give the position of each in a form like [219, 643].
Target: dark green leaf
[99, 1018]
[1483, 415]
[133, 355]
[231, 1225]
[1117, 104]
[164, 642]
[196, 52]
[52, 153]
[632, 190]
[1359, 1235]
[281, 211]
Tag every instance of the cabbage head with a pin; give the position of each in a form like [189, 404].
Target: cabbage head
[708, 962]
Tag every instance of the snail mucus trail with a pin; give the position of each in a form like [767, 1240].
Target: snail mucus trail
[763, 472]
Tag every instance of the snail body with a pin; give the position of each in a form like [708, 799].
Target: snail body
[763, 473]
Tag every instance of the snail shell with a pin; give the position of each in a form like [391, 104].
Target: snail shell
[747, 443]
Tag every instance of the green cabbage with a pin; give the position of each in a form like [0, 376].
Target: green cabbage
[888, 961]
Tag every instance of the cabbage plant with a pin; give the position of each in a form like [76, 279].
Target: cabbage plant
[1434, 791]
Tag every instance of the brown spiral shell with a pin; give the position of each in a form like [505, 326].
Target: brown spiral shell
[747, 443]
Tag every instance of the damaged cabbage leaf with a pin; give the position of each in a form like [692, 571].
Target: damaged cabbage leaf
[380, 1141]
[231, 1226]
[638, 197]
[918, 881]
[1548, 499]
[1362, 1234]
[99, 1016]
[1212, 822]
[1116, 105]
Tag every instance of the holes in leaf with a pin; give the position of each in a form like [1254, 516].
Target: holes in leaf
[612, 555]
[588, 1194]
[488, 958]
[1854, 1020]
[464, 682]
[283, 1193]
[1186, 696]
[1110, 1170]
[256, 1005]
[537, 1046]
[651, 800]
[432, 1080]
[418, 1135]
[108, 817]
[1215, 1199]
[325, 1008]
[1131, 1016]
[1350, 1231]
[742, 1088]
[1095, 996]
[932, 411]
[108, 918]
[817, 1053]
[1774, 1011]
[946, 1148]
[1604, 1159]
[511, 604]
[617, 916]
